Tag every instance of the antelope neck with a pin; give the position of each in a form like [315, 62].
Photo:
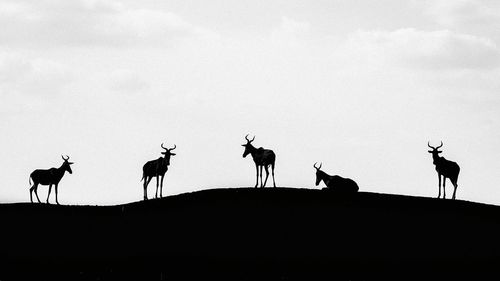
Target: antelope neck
[324, 177]
[60, 171]
[61, 168]
[435, 157]
[323, 174]
[252, 149]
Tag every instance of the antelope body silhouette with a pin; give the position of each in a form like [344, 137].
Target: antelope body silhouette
[263, 158]
[156, 168]
[49, 177]
[446, 169]
[335, 182]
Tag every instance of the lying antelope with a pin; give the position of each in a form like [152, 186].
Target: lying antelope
[262, 158]
[156, 168]
[49, 177]
[445, 168]
[336, 183]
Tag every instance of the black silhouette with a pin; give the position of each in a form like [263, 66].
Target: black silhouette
[445, 168]
[49, 177]
[336, 183]
[253, 234]
[262, 158]
[156, 168]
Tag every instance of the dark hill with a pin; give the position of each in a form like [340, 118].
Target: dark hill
[252, 234]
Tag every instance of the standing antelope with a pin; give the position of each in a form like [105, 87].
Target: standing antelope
[49, 177]
[156, 168]
[262, 158]
[336, 183]
[445, 168]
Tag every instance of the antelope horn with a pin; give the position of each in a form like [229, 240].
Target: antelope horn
[163, 147]
[173, 148]
[65, 159]
[428, 144]
[440, 145]
[246, 137]
[317, 168]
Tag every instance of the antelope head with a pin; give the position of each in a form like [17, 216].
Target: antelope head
[66, 164]
[248, 146]
[168, 153]
[435, 151]
[318, 173]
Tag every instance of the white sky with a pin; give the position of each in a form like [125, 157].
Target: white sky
[358, 85]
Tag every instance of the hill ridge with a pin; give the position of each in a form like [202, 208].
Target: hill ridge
[239, 231]
[252, 189]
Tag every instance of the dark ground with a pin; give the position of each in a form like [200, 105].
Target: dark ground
[253, 234]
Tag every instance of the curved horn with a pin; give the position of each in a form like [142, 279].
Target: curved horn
[163, 147]
[246, 137]
[65, 159]
[428, 144]
[440, 145]
[320, 164]
[317, 168]
[172, 148]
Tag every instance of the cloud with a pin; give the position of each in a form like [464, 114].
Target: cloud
[128, 81]
[30, 83]
[37, 76]
[289, 32]
[452, 13]
[84, 22]
[293, 26]
[442, 49]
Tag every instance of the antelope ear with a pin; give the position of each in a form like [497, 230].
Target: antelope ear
[163, 153]
[243, 145]
[430, 151]
[71, 163]
[171, 154]
[439, 151]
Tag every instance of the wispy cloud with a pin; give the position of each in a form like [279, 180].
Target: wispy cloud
[289, 31]
[452, 13]
[127, 81]
[84, 23]
[289, 25]
[438, 50]
[19, 75]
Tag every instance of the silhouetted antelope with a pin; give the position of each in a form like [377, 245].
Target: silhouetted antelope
[262, 158]
[445, 168]
[156, 168]
[336, 183]
[49, 177]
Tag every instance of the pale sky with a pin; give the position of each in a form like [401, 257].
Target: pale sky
[358, 85]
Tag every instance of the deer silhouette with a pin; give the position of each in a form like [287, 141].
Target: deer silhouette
[336, 183]
[262, 158]
[49, 177]
[445, 168]
[156, 168]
